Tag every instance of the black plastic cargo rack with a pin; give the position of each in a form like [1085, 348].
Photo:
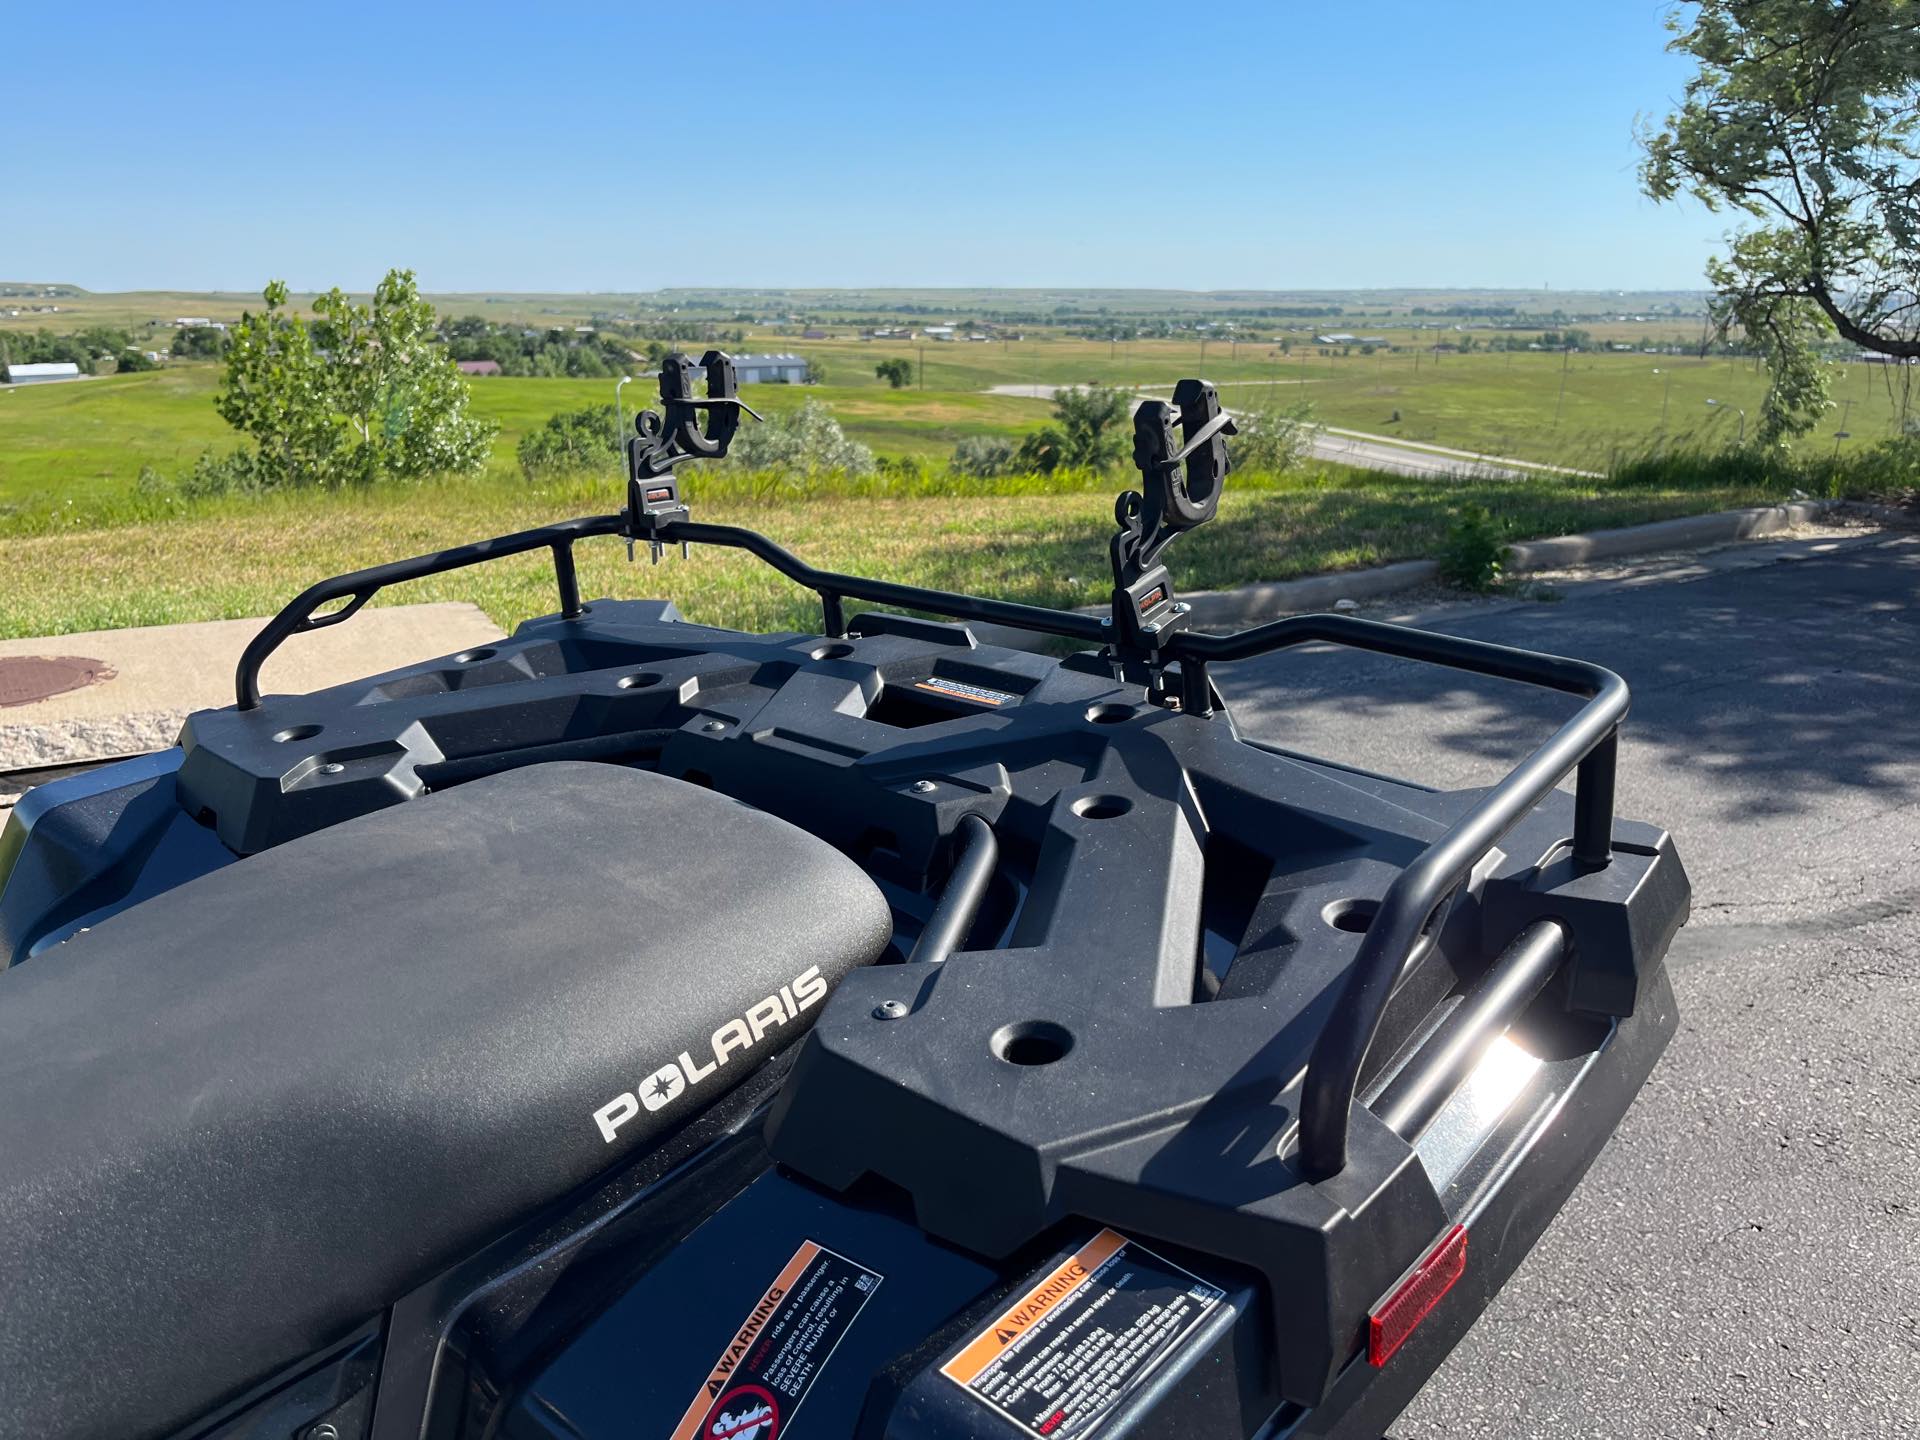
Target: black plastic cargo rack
[1586, 742]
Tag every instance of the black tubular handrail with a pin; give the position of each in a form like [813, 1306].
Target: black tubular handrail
[360, 586]
[834, 587]
[1409, 1103]
[960, 898]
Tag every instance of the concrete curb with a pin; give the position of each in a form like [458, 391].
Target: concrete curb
[1269, 599]
[1689, 532]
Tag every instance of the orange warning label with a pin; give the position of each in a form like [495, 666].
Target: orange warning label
[1084, 1338]
[760, 1379]
[1067, 1277]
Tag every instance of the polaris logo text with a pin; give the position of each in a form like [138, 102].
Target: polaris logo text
[671, 1080]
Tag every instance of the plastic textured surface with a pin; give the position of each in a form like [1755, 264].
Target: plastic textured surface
[323, 1073]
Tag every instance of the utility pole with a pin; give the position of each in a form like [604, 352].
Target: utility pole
[1566, 360]
[923, 365]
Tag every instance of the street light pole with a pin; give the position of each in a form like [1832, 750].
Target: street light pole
[619, 414]
[1666, 396]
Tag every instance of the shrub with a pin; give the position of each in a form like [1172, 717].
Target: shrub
[983, 456]
[218, 474]
[573, 442]
[1274, 440]
[805, 441]
[1474, 554]
[897, 373]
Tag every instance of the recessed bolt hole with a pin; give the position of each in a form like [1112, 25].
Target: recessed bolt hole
[640, 681]
[832, 652]
[296, 732]
[1110, 714]
[1352, 916]
[714, 725]
[889, 1010]
[467, 657]
[1032, 1042]
[1101, 807]
[924, 787]
[332, 767]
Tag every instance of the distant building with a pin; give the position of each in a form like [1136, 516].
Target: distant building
[770, 369]
[198, 322]
[478, 367]
[1337, 338]
[40, 374]
[815, 334]
[939, 332]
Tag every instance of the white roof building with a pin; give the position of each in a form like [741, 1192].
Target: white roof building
[770, 369]
[47, 370]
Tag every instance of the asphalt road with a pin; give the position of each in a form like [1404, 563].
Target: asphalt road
[1376, 453]
[1744, 1258]
[1370, 452]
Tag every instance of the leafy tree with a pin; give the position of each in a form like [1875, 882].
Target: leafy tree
[1804, 115]
[1089, 432]
[359, 394]
[129, 361]
[897, 373]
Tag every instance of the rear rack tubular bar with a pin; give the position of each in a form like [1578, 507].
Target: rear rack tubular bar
[1587, 742]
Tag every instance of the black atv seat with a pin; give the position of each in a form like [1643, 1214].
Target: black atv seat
[240, 1119]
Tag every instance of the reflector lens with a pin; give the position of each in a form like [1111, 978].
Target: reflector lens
[1394, 1319]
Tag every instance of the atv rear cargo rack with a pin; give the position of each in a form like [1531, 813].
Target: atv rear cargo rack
[1586, 743]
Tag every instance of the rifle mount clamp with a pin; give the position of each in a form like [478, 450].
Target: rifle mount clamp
[661, 441]
[1181, 479]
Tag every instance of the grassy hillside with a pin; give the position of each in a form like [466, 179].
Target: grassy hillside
[236, 558]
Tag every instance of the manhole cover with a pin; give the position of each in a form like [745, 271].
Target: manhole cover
[27, 678]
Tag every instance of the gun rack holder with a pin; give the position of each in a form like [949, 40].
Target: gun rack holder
[1054, 1048]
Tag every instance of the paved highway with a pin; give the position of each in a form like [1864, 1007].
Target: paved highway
[1744, 1259]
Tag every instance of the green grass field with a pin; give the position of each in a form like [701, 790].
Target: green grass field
[69, 453]
[84, 545]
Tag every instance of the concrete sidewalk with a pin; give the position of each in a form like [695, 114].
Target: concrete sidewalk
[133, 688]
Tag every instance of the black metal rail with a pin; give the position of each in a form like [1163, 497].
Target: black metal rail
[1408, 1105]
[1586, 742]
[960, 900]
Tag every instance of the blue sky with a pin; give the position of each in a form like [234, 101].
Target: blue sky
[1285, 145]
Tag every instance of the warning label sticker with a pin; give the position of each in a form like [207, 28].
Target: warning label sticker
[960, 690]
[1068, 1351]
[780, 1349]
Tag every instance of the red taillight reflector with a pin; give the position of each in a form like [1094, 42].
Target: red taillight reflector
[1393, 1320]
